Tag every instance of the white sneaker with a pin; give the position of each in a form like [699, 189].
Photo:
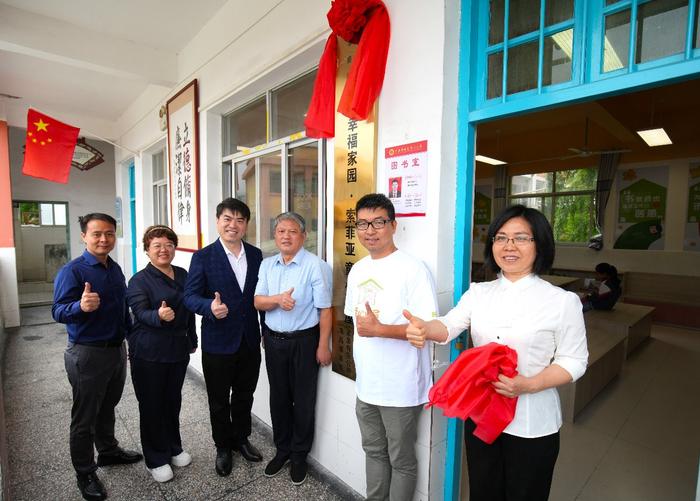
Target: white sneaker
[182, 459]
[162, 473]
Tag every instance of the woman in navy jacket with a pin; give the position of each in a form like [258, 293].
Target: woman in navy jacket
[160, 344]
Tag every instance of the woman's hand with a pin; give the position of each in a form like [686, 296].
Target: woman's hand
[512, 387]
[416, 331]
[166, 313]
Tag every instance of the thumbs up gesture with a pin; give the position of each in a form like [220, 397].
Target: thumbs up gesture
[89, 301]
[219, 309]
[166, 313]
[286, 301]
[415, 330]
[367, 324]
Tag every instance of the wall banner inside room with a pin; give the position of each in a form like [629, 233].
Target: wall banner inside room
[641, 208]
[692, 221]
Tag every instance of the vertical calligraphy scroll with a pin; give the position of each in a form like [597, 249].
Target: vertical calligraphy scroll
[355, 152]
[183, 166]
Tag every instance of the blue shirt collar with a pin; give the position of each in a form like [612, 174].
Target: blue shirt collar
[296, 259]
[92, 260]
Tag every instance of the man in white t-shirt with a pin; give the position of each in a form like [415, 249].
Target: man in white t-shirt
[393, 377]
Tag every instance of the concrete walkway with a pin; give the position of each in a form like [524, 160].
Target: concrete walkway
[38, 402]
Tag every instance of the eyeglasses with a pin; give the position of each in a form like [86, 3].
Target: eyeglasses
[158, 247]
[518, 240]
[377, 224]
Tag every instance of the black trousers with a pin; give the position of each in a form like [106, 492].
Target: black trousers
[231, 381]
[96, 375]
[158, 388]
[511, 468]
[293, 372]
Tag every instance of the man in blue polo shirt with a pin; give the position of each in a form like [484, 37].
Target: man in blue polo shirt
[89, 297]
[294, 289]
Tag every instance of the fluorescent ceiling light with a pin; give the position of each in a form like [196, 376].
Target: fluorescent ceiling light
[655, 137]
[488, 160]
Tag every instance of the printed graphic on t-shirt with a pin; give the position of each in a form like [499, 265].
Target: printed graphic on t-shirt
[367, 292]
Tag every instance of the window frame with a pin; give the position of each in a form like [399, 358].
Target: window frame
[155, 184]
[553, 195]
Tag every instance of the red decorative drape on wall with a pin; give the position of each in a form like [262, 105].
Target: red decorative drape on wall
[362, 22]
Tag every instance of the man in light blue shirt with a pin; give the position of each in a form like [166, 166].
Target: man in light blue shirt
[294, 289]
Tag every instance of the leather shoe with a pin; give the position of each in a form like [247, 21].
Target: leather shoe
[122, 456]
[224, 461]
[249, 452]
[90, 486]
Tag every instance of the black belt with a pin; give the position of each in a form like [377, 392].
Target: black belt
[110, 343]
[293, 334]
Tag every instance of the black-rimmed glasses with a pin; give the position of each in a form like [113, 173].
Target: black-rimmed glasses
[518, 240]
[377, 224]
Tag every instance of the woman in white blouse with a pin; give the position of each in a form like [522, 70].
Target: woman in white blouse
[544, 325]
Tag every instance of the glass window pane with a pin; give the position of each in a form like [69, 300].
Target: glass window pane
[158, 166]
[29, 214]
[617, 37]
[495, 79]
[496, 11]
[532, 183]
[523, 17]
[46, 214]
[289, 105]
[522, 68]
[556, 64]
[270, 202]
[163, 203]
[575, 180]
[246, 127]
[59, 213]
[226, 180]
[245, 191]
[542, 204]
[556, 11]
[573, 218]
[660, 29]
[303, 190]
[697, 30]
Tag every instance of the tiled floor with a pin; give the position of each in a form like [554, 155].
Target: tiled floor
[640, 438]
[37, 406]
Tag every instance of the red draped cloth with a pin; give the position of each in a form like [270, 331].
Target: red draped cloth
[465, 389]
[363, 22]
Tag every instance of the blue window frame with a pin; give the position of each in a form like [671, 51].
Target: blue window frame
[534, 48]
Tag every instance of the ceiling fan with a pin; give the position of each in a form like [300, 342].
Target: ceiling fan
[582, 152]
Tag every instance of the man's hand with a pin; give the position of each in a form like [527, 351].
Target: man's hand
[323, 355]
[415, 330]
[368, 324]
[166, 313]
[89, 301]
[285, 300]
[219, 309]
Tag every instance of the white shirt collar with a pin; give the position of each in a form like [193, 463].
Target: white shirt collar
[229, 253]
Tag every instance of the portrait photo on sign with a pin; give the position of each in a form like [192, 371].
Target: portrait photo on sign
[394, 187]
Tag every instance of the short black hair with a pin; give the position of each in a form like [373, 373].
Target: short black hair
[235, 206]
[376, 201]
[84, 220]
[541, 231]
[607, 269]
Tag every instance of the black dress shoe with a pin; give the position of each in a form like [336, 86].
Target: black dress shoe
[249, 452]
[298, 472]
[122, 456]
[224, 461]
[90, 486]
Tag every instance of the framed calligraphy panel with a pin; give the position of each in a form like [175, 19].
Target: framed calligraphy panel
[183, 166]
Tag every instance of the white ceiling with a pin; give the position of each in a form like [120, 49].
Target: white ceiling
[94, 57]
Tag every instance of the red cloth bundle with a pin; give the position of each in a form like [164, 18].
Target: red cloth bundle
[465, 389]
[363, 21]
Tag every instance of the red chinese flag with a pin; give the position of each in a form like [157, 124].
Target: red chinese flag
[49, 148]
